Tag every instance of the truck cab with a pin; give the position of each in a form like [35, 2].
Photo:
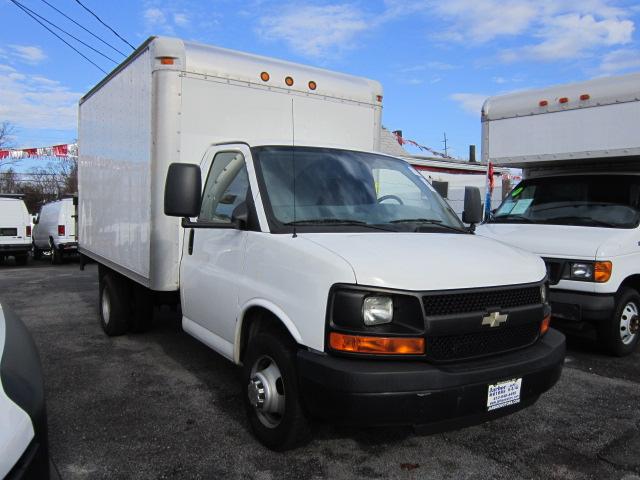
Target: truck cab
[578, 206]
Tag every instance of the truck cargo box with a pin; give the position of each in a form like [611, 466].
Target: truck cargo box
[596, 119]
[168, 102]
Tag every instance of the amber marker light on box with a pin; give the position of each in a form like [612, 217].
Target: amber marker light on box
[602, 271]
[312, 85]
[264, 76]
[166, 60]
[376, 345]
[546, 323]
[289, 81]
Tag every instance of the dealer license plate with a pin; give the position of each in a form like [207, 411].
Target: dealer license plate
[503, 394]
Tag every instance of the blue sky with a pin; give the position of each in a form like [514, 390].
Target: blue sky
[437, 60]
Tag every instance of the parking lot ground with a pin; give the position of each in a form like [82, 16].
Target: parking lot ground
[162, 405]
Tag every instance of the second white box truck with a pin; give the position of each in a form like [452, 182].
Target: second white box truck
[337, 278]
[579, 205]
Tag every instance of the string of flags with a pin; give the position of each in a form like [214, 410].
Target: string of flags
[63, 150]
[403, 141]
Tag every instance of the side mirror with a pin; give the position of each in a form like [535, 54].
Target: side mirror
[183, 190]
[472, 213]
[240, 216]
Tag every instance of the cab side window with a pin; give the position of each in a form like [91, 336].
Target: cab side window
[226, 187]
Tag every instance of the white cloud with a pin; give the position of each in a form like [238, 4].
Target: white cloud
[33, 101]
[315, 31]
[30, 54]
[164, 20]
[470, 102]
[620, 61]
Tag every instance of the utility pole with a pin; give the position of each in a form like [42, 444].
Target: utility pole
[446, 152]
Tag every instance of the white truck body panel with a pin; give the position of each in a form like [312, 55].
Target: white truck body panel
[518, 132]
[14, 220]
[146, 115]
[53, 214]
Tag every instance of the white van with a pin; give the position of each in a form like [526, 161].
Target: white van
[15, 228]
[579, 204]
[338, 278]
[55, 230]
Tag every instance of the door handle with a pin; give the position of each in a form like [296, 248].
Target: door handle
[191, 242]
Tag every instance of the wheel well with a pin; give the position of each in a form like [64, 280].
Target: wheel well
[631, 282]
[259, 319]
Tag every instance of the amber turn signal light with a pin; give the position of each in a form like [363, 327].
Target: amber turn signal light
[166, 60]
[376, 345]
[602, 271]
[544, 326]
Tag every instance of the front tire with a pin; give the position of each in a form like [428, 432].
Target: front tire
[114, 305]
[271, 392]
[621, 334]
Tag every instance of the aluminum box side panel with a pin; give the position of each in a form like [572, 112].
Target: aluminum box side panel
[604, 131]
[114, 168]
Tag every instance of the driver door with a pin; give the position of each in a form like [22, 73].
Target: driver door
[212, 267]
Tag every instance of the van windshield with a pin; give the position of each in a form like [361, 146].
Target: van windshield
[347, 191]
[609, 201]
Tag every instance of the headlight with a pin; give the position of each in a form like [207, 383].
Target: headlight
[377, 310]
[582, 270]
[599, 272]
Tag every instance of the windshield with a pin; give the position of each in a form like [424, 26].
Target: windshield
[610, 201]
[347, 191]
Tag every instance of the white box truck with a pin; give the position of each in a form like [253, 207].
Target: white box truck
[15, 228]
[337, 278]
[579, 203]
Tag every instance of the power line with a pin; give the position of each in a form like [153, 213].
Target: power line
[85, 29]
[98, 18]
[59, 37]
[70, 35]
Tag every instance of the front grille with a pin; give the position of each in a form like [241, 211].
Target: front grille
[478, 344]
[480, 301]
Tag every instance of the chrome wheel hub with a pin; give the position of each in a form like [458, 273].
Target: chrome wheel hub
[629, 323]
[266, 391]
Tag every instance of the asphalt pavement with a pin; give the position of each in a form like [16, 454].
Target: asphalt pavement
[162, 405]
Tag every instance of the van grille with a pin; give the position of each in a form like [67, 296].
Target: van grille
[8, 232]
[478, 344]
[480, 301]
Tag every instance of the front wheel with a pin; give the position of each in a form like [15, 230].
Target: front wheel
[271, 393]
[114, 303]
[620, 335]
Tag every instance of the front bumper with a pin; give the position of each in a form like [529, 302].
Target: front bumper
[571, 306]
[433, 397]
[11, 249]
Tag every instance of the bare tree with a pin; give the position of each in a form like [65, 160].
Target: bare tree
[9, 181]
[7, 131]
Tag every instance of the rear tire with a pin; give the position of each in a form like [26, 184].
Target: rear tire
[22, 259]
[56, 255]
[114, 304]
[621, 333]
[270, 380]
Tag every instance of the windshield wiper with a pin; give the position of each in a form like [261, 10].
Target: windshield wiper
[337, 221]
[514, 218]
[430, 221]
[583, 220]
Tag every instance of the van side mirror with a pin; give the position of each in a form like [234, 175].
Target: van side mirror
[472, 213]
[183, 190]
[240, 216]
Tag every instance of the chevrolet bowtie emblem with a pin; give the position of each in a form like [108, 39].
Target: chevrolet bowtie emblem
[495, 319]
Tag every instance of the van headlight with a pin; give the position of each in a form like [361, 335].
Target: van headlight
[377, 310]
[599, 272]
[583, 271]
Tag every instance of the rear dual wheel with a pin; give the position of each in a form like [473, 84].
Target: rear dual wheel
[124, 306]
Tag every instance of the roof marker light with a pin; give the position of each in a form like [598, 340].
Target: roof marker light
[563, 100]
[166, 60]
[543, 103]
[312, 85]
[264, 76]
[379, 98]
[585, 96]
[288, 81]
